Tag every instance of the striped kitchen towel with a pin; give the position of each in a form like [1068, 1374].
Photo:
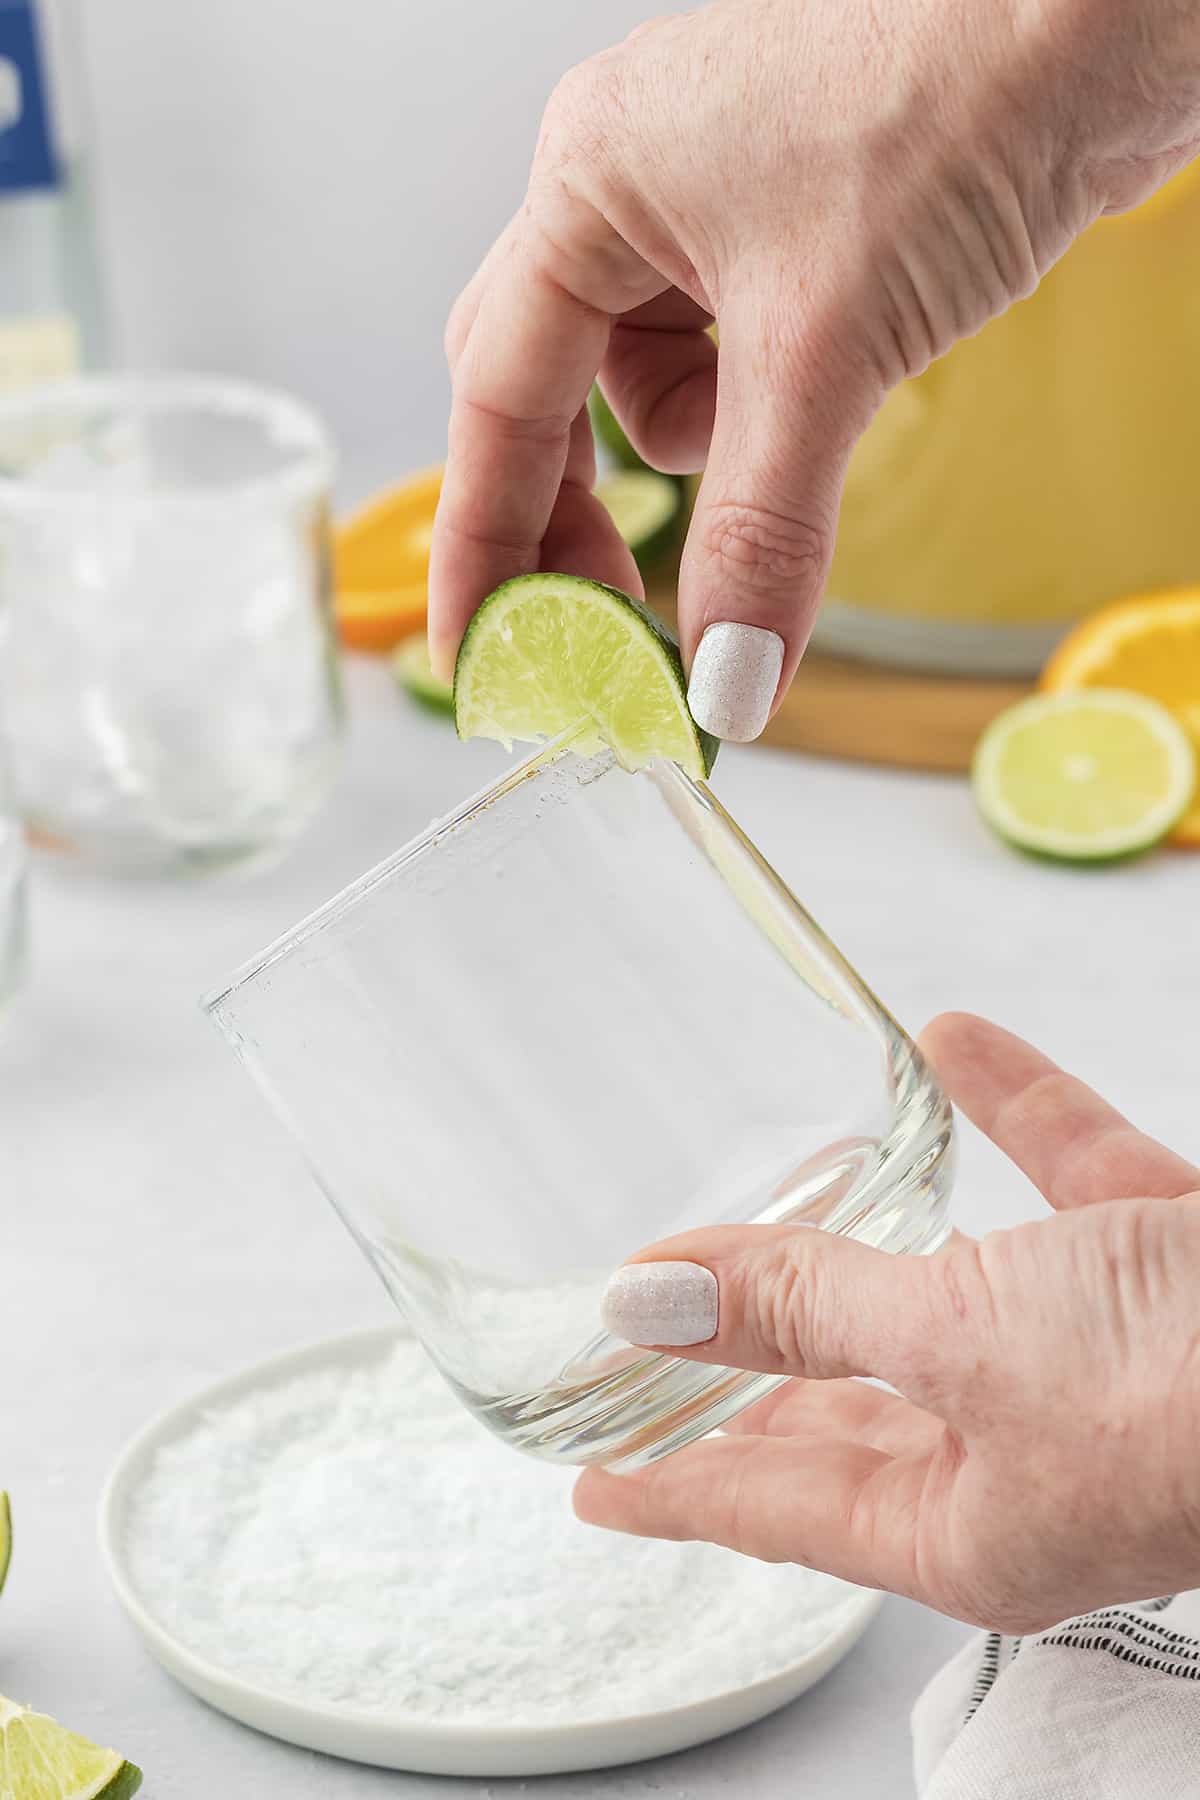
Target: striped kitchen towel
[1102, 1707]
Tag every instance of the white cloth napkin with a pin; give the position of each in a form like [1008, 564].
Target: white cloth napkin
[1103, 1707]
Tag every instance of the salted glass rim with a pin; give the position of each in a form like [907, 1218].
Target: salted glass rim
[288, 424]
[340, 903]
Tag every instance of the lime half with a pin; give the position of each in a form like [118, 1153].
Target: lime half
[42, 1761]
[411, 667]
[546, 653]
[646, 509]
[5, 1538]
[1084, 776]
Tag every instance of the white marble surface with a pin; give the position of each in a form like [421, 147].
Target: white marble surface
[159, 1231]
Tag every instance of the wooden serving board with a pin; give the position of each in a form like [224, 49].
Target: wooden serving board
[855, 710]
[836, 707]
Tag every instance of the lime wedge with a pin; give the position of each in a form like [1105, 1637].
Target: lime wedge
[410, 666]
[547, 653]
[40, 1760]
[646, 510]
[5, 1539]
[1084, 776]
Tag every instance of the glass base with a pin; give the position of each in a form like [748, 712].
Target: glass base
[136, 852]
[646, 1405]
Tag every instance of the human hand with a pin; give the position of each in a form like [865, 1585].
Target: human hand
[1038, 1458]
[847, 187]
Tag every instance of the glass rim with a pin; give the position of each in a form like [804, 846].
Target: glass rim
[295, 426]
[341, 902]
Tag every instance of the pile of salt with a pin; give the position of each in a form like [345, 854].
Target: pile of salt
[355, 1537]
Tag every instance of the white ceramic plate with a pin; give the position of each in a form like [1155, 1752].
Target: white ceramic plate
[404, 1741]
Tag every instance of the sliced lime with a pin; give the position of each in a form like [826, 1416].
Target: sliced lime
[410, 665]
[1084, 776]
[40, 1760]
[5, 1538]
[646, 509]
[546, 653]
[609, 430]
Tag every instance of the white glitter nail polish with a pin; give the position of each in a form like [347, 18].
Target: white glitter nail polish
[734, 676]
[661, 1303]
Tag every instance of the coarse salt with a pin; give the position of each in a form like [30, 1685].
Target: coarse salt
[354, 1537]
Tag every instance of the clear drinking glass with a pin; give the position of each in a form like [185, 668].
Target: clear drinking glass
[578, 1015]
[170, 676]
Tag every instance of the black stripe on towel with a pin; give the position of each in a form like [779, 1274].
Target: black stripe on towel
[1132, 1639]
[989, 1669]
[1136, 1632]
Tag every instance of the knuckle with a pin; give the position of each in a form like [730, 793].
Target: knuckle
[963, 1309]
[790, 1301]
[965, 1289]
[1139, 1259]
[574, 120]
[768, 552]
[654, 27]
[796, 1307]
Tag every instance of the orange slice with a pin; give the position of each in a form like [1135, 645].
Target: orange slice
[1147, 645]
[381, 564]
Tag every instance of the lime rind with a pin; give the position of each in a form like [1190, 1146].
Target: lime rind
[5, 1538]
[549, 654]
[1135, 782]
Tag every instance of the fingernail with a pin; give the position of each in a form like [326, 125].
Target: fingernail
[734, 676]
[661, 1303]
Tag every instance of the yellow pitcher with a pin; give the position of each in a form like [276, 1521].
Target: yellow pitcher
[1039, 470]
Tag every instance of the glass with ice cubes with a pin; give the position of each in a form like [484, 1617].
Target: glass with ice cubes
[169, 679]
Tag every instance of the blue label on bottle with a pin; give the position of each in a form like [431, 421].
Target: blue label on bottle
[27, 158]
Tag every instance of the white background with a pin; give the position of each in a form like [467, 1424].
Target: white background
[297, 189]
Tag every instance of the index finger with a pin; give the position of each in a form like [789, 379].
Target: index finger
[1074, 1146]
[538, 337]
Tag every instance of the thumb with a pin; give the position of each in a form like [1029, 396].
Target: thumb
[761, 538]
[795, 1300]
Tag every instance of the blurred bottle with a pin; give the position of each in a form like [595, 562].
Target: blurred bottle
[50, 311]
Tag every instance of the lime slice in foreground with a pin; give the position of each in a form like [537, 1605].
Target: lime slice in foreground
[410, 666]
[545, 653]
[645, 508]
[1084, 776]
[42, 1761]
[5, 1539]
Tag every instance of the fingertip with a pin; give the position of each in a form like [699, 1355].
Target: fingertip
[596, 1498]
[676, 433]
[443, 654]
[581, 1497]
[734, 679]
[952, 1037]
[979, 1063]
[661, 1305]
[659, 380]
